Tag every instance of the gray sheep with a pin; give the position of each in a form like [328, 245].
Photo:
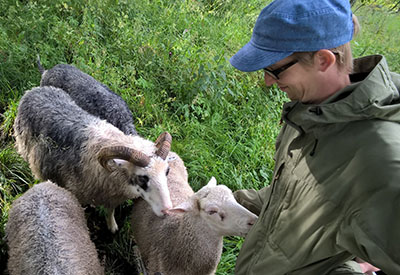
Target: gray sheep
[93, 159]
[47, 234]
[189, 240]
[89, 94]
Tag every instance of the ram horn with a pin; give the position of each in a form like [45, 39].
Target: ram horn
[163, 144]
[120, 152]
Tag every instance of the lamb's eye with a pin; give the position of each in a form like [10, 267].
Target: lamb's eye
[212, 212]
[142, 182]
[167, 172]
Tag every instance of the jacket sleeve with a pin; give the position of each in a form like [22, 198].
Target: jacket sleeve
[373, 233]
[252, 199]
[396, 80]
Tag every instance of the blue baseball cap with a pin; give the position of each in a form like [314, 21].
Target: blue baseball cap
[287, 26]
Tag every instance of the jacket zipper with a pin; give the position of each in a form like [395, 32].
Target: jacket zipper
[275, 205]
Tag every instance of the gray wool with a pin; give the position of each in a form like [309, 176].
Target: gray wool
[47, 234]
[49, 125]
[60, 141]
[91, 95]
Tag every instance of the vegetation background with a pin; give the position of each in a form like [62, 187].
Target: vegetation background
[169, 60]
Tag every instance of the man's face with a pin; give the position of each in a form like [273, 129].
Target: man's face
[297, 81]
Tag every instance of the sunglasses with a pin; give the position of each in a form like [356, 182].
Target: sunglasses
[275, 73]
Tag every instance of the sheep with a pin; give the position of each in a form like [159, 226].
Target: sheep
[188, 240]
[89, 94]
[90, 157]
[47, 233]
[63, 76]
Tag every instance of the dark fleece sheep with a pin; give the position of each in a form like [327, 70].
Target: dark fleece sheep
[89, 94]
[93, 159]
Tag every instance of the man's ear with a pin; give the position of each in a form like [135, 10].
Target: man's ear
[324, 59]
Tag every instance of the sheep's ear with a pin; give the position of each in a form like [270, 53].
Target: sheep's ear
[212, 182]
[183, 207]
[114, 164]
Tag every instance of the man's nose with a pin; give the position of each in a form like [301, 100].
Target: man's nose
[269, 80]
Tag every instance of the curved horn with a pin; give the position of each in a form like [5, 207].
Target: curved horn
[163, 144]
[120, 152]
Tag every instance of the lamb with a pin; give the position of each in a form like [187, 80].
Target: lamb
[89, 94]
[189, 240]
[88, 156]
[47, 234]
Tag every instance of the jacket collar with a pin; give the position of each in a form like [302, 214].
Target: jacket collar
[369, 97]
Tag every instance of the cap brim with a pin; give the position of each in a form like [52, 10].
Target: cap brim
[250, 58]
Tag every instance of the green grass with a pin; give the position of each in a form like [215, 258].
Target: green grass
[169, 61]
[379, 35]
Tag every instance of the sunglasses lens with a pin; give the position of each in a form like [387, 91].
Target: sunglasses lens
[271, 74]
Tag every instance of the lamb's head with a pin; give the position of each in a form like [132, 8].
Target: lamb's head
[218, 207]
[146, 176]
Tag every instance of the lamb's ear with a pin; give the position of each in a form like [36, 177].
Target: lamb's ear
[212, 182]
[185, 206]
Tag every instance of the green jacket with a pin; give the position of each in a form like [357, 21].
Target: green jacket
[336, 186]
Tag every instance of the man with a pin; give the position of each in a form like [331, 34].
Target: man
[335, 193]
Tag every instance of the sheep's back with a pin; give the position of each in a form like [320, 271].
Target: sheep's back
[177, 179]
[51, 113]
[91, 95]
[49, 126]
[47, 234]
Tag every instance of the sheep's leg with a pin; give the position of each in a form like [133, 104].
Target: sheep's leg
[111, 223]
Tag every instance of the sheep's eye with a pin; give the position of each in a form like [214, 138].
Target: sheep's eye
[212, 212]
[142, 182]
[167, 172]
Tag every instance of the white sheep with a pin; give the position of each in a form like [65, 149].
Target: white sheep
[93, 159]
[188, 240]
[47, 234]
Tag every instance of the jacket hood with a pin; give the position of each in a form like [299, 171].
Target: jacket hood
[373, 94]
